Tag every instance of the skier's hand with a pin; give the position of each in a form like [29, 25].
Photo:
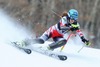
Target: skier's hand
[74, 27]
[88, 43]
[85, 41]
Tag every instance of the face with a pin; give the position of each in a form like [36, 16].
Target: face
[72, 21]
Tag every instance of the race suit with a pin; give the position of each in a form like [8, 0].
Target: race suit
[57, 33]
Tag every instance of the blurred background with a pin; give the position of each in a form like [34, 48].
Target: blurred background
[38, 15]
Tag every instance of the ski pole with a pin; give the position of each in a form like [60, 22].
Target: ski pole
[84, 46]
[56, 14]
[66, 41]
[81, 49]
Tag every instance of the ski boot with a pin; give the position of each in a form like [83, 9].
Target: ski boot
[57, 44]
[20, 43]
[28, 42]
[54, 45]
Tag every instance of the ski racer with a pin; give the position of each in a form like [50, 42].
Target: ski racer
[68, 22]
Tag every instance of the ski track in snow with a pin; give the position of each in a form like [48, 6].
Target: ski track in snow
[12, 57]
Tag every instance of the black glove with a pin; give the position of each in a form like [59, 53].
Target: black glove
[85, 41]
[74, 27]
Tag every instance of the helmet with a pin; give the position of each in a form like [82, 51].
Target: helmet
[73, 14]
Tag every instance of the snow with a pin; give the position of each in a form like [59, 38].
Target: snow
[12, 57]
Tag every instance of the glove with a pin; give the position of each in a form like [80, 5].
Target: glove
[74, 27]
[85, 41]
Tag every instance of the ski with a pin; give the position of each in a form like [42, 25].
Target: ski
[41, 51]
[49, 53]
[26, 50]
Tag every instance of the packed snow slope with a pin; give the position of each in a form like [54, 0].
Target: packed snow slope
[12, 57]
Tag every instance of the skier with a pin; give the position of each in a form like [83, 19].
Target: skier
[68, 22]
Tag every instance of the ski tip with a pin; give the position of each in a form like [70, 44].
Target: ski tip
[28, 51]
[62, 57]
